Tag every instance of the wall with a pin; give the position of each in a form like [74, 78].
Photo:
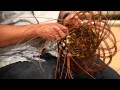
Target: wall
[115, 64]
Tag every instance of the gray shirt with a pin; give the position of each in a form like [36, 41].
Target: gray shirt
[26, 51]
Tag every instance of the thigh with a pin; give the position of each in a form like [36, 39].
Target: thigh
[107, 73]
[29, 70]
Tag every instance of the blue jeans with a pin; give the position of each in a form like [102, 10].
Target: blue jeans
[32, 70]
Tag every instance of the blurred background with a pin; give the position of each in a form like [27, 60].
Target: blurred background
[115, 64]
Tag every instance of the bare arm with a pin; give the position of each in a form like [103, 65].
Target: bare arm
[10, 34]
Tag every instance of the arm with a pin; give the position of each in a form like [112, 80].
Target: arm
[10, 35]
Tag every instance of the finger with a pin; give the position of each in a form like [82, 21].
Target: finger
[72, 20]
[71, 17]
[55, 38]
[63, 28]
[59, 35]
[57, 26]
[59, 32]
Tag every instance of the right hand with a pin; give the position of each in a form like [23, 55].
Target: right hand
[51, 31]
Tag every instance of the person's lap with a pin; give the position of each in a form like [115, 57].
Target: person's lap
[46, 70]
[27, 70]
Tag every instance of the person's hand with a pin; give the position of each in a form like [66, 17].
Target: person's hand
[71, 19]
[78, 18]
[51, 31]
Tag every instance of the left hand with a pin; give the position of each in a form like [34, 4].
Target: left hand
[71, 19]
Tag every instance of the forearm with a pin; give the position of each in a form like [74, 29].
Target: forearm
[10, 35]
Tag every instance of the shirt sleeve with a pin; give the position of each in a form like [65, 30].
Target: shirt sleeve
[17, 17]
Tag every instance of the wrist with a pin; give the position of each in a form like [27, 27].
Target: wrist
[65, 15]
[30, 31]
